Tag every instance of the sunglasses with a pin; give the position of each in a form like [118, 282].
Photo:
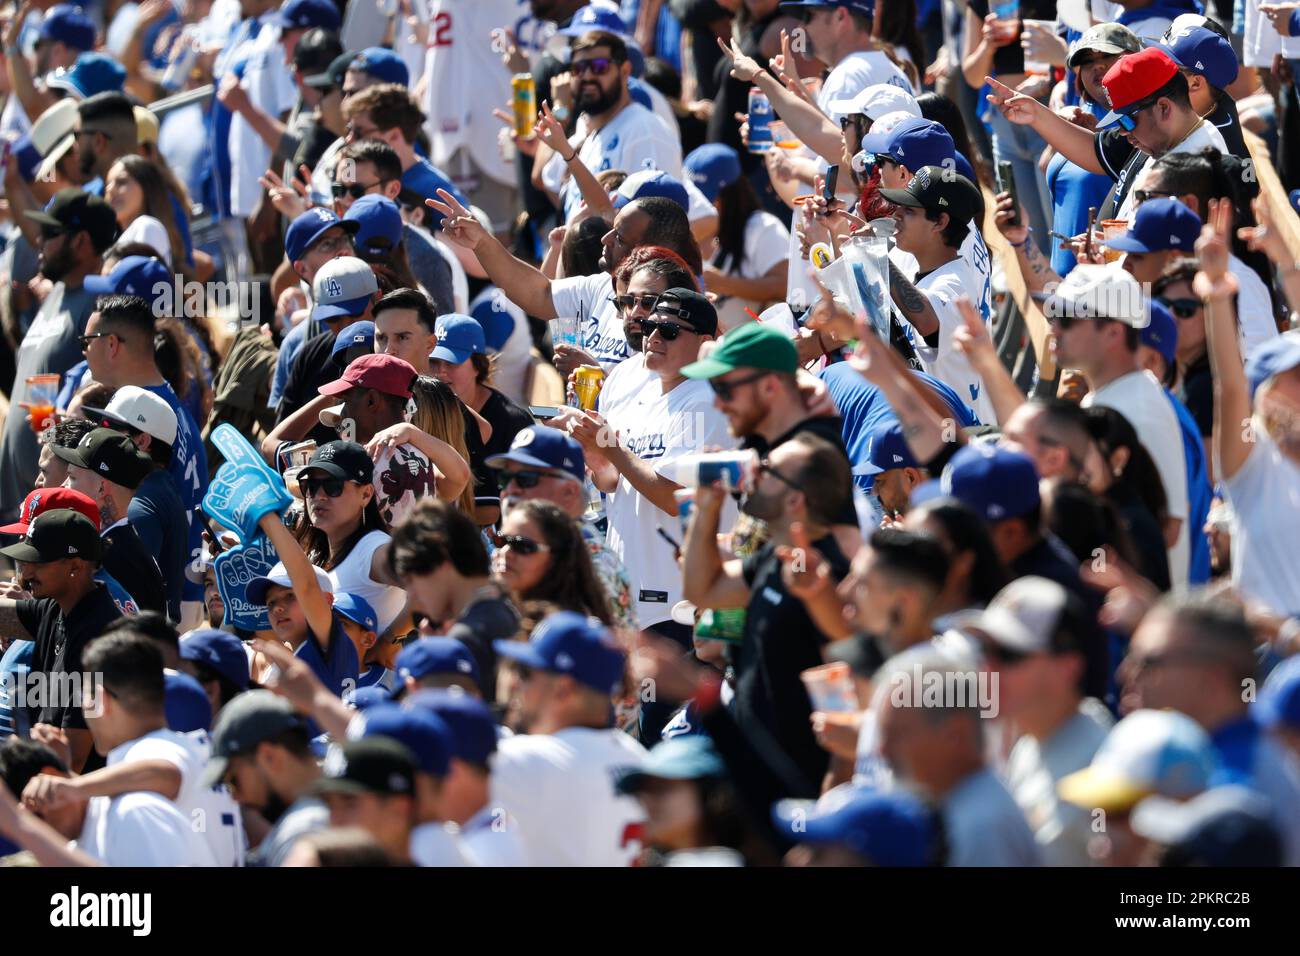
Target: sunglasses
[1142, 195]
[727, 390]
[525, 479]
[1182, 308]
[625, 303]
[355, 190]
[85, 340]
[668, 330]
[1128, 121]
[333, 487]
[765, 467]
[518, 544]
[596, 66]
[1003, 655]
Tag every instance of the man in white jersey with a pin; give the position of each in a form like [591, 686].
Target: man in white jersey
[556, 777]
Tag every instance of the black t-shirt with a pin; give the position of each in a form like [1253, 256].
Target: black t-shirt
[1011, 58]
[60, 642]
[1197, 393]
[507, 420]
[131, 564]
[781, 641]
[489, 618]
[1148, 542]
[1228, 123]
[1120, 160]
[314, 140]
[823, 426]
[313, 368]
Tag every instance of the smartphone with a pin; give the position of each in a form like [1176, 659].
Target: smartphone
[544, 412]
[1092, 224]
[1007, 184]
[828, 184]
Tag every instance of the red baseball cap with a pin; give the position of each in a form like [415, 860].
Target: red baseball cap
[384, 373]
[1133, 78]
[48, 499]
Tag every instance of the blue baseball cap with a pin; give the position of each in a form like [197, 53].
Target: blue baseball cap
[887, 449]
[379, 222]
[1202, 51]
[569, 643]
[691, 757]
[421, 731]
[134, 275]
[498, 321]
[92, 73]
[384, 65]
[995, 482]
[1274, 357]
[28, 156]
[1279, 701]
[1162, 333]
[650, 183]
[66, 23]
[473, 728]
[356, 334]
[308, 227]
[357, 610]
[593, 17]
[459, 337]
[1160, 224]
[363, 698]
[305, 14]
[540, 446]
[861, 6]
[712, 167]
[963, 166]
[913, 142]
[218, 650]
[436, 655]
[884, 828]
[1226, 826]
[1295, 199]
[185, 703]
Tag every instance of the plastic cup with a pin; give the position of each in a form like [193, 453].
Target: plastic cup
[1112, 229]
[564, 331]
[42, 391]
[830, 688]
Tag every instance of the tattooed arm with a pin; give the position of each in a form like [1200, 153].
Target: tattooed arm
[912, 302]
[1037, 271]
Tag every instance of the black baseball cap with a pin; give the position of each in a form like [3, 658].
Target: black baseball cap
[699, 311]
[317, 49]
[55, 535]
[72, 210]
[342, 459]
[333, 74]
[111, 455]
[936, 189]
[378, 765]
[249, 719]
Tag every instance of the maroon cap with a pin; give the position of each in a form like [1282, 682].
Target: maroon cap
[48, 499]
[383, 373]
[1136, 76]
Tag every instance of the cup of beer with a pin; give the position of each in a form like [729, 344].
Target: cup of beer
[42, 390]
[1112, 229]
[587, 380]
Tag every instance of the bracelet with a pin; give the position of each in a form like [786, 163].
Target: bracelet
[570, 158]
[1021, 245]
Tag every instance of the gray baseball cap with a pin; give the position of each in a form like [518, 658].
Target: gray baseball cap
[245, 722]
[1104, 38]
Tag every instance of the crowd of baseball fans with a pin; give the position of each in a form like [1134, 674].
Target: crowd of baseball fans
[667, 432]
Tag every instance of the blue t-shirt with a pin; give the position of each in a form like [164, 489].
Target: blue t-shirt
[1074, 190]
[1199, 493]
[377, 675]
[159, 519]
[424, 180]
[864, 408]
[338, 668]
[15, 665]
[189, 468]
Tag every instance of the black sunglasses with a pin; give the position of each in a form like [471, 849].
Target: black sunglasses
[85, 340]
[596, 66]
[518, 543]
[1182, 308]
[766, 466]
[355, 190]
[668, 330]
[625, 302]
[333, 486]
[726, 390]
[525, 479]
[1142, 195]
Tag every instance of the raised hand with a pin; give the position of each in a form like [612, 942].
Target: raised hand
[971, 338]
[1006, 210]
[290, 199]
[459, 225]
[1212, 249]
[1016, 107]
[1265, 237]
[743, 68]
[525, 145]
[551, 132]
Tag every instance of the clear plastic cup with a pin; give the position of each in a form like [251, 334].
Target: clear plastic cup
[564, 331]
[830, 688]
[42, 393]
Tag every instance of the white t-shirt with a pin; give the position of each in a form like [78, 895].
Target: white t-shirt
[767, 242]
[659, 429]
[560, 790]
[942, 287]
[271, 88]
[491, 838]
[432, 844]
[599, 322]
[985, 827]
[1205, 135]
[1261, 41]
[1265, 499]
[633, 140]
[352, 576]
[1254, 307]
[1141, 399]
[624, 382]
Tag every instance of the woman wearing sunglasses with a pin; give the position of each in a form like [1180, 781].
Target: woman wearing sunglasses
[342, 532]
[1193, 386]
[542, 556]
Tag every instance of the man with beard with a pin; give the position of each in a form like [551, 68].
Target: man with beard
[105, 132]
[261, 750]
[615, 132]
[801, 485]
[76, 229]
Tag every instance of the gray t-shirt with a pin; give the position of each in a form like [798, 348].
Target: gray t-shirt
[430, 269]
[50, 345]
[306, 815]
[985, 826]
[1033, 769]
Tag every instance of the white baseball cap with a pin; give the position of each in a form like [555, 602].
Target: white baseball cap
[51, 135]
[876, 101]
[1094, 291]
[1023, 616]
[279, 576]
[139, 408]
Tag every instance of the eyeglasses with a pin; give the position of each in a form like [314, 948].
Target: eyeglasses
[625, 303]
[667, 330]
[333, 487]
[596, 66]
[1142, 195]
[765, 466]
[525, 479]
[518, 544]
[357, 133]
[85, 340]
[355, 190]
[1182, 308]
[727, 390]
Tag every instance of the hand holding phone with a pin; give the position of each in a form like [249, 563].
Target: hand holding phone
[830, 181]
[1007, 184]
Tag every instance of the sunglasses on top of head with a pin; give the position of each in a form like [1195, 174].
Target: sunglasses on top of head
[596, 66]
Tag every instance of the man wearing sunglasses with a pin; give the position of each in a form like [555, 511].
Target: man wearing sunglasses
[76, 229]
[545, 464]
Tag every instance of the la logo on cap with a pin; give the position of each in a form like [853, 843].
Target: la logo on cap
[564, 661]
[72, 549]
[463, 666]
[103, 466]
[524, 437]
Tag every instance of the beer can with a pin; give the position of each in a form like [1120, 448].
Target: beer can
[523, 98]
[760, 121]
[182, 63]
[587, 382]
